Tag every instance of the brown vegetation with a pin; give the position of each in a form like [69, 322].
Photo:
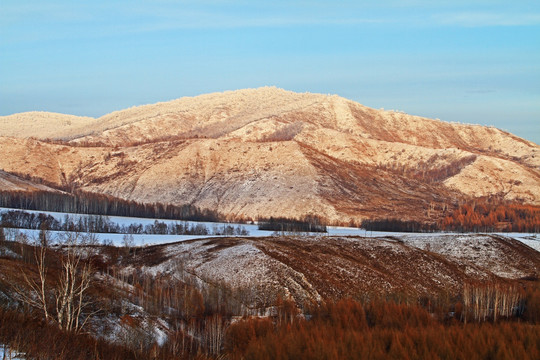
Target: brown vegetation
[494, 318]
[349, 330]
[479, 215]
[40, 340]
[483, 215]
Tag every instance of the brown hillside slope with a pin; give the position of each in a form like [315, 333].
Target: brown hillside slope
[11, 182]
[270, 152]
[310, 268]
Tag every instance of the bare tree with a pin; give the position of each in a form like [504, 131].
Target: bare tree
[2, 236]
[129, 242]
[38, 296]
[62, 298]
[73, 283]
[490, 301]
[214, 334]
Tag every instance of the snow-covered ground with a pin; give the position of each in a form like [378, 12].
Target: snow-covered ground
[147, 239]
[6, 353]
[532, 240]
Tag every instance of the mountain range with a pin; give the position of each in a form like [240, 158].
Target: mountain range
[269, 152]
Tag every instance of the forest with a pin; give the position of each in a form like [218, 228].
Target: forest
[486, 216]
[102, 224]
[81, 202]
[481, 215]
[309, 223]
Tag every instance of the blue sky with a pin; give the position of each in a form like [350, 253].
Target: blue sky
[464, 61]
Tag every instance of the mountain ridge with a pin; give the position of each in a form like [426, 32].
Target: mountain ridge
[269, 152]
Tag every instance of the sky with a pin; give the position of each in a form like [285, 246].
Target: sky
[461, 61]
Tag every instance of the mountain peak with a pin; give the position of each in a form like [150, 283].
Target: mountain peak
[272, 152]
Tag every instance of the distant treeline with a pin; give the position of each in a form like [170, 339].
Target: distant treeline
[98, 204]
[397, 225]
[480, 215]
[102, 224]
[309, 223]
[483, 215]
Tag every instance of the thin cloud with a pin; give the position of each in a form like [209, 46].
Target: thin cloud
[481, 91]
[138, 21]
[482, 19]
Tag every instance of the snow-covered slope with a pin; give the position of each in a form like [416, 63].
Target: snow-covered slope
[336, 267]
[271, 152]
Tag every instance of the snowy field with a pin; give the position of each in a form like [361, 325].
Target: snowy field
[151, 239]
[532, 240]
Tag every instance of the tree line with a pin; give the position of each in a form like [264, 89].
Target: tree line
[309, 223]
[102, 224]
[480, 215]
[81, 202]
[488, 216]
[397, 225]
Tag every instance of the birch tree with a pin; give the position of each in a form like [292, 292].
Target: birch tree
[61, 297]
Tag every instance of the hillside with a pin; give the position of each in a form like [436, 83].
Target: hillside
[10, 182]
[43, 125]
[271, 152]
[311, 268]
[193, 299]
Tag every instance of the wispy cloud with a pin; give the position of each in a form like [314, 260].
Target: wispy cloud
[481, 91]
[58, 20]
[52, 22]
[203, 17]
[485, 19]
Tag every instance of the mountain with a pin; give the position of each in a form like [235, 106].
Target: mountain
[271, 152]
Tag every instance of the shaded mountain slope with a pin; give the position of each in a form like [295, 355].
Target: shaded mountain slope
[12, 182]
